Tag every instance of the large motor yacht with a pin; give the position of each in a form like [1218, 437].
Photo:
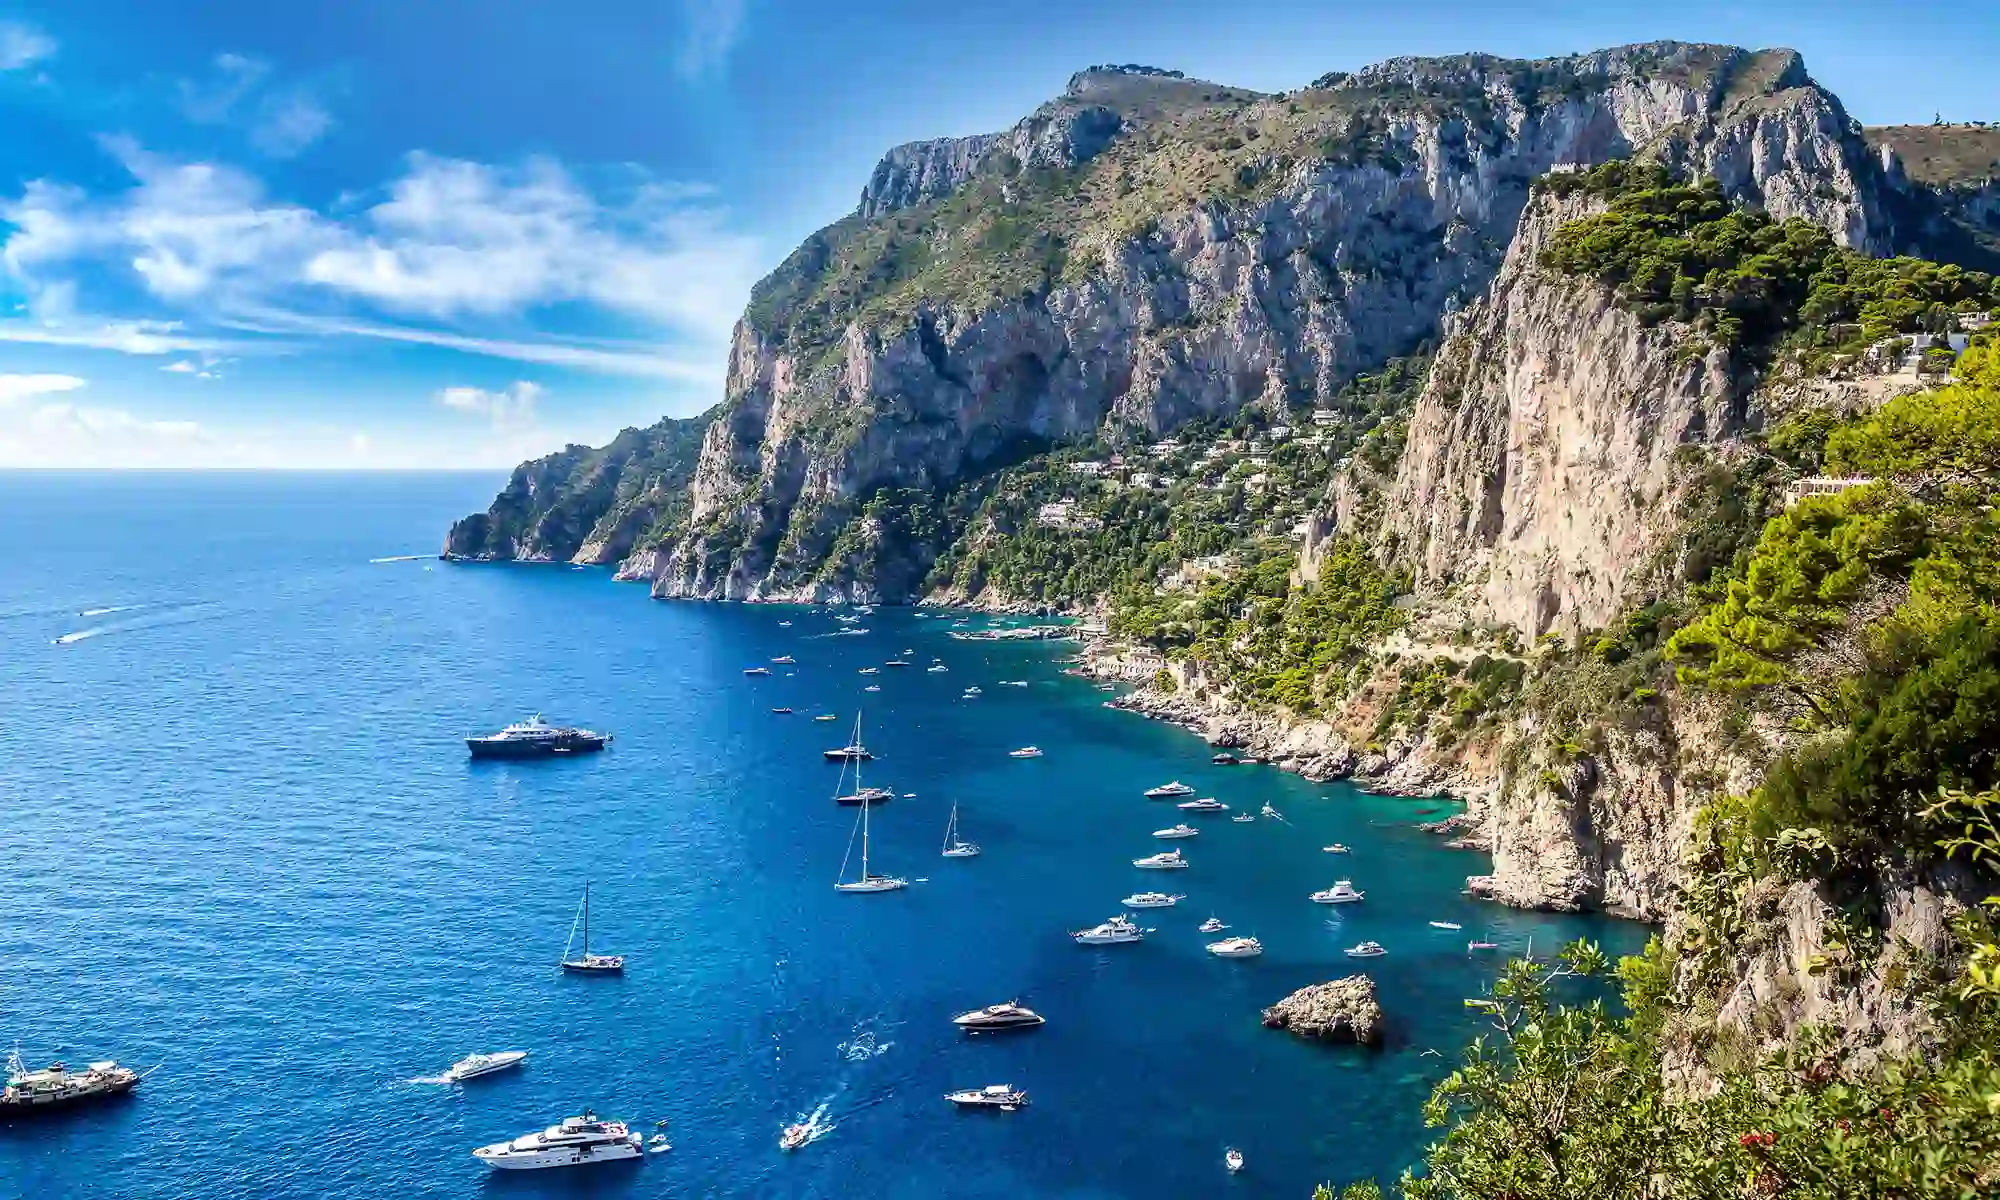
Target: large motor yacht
[1236, 947]
[1012, 1015]
[1002, 1096]
[55, 1085]
[1342, 892]
[1205, 804]
[1177, 831]
[1172, 860]
[852, 752]
[1152, 900]
[578, 1140]
[1168, 791]
[1118, 929]
[535, 738]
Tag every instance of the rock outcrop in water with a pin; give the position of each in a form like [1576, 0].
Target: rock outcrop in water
[1344, 1010]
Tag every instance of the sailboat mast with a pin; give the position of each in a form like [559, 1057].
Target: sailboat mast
[586, 919]
[865, 806]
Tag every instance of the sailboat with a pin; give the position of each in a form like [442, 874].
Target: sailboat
[868, 882]
[588, 963]
[955, 846]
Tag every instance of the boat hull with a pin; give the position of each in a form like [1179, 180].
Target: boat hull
[594, 968]
[545, 748]
[872, 885]
[12, 1104]
[563, 1156]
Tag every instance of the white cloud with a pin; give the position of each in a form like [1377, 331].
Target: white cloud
[126, 337]
[451, 241]
[281, 121]
[23, 45]
[510, 409]
[602, 357]
[713, 28]
[15, 388]
[288, 123]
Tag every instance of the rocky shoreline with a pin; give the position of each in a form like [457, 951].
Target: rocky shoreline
[1342, 1010]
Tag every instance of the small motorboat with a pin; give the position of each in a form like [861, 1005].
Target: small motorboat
[1446, 925]
[852, 752]
[784, 624]
[1336, 848]
[1151, 900]
[1205, 804]
[871, 670]
[867, 795]
[1242, 818]
[934, 668]
[794, 1136]
[973, 693]
[1000, 1096]
[1172, 860]
[1236, 947]
[1012, 1015]
[826, 717]
[781, 712]
[1366, 950]
[1233, 1159]
[1272, 812]
[784, 660]
[474, 1065]
[1472, 946]
[756, 670]
[873, 687]
[1025, 752]
[1168, 791]
[1013, 683]
[1112, 932]
[658, 1144]
[1213, 925]
[1177, 831]
[1225, 760]
[1342, 892]
[896, 662]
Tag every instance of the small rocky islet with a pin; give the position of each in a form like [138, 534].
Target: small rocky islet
[1340, 1010]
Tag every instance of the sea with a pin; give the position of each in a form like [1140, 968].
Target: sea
[244, 850]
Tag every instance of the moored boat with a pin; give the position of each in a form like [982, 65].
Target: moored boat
[587, 963]
[867, 795]
[1172, 860]
[1342, 892]
[868, 881]
[1366, 950]
[1168, 791]
[1177, 831]
[1236, 947]
[56, 1086]
[1117, 930]
[785, 660]
[756, 670]
[994, 1017]
[576, 1142]
[1025, 752]
[1151, 900]
[1001, 1096]
[536, 738]
[1205, 804]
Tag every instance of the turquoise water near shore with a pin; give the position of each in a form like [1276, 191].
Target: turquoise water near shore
[242, 839]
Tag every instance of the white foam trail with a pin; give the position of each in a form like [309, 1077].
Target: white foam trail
[817, 1123]
[109, 609]
[68, 639]
[399, 558]
[430, 1079]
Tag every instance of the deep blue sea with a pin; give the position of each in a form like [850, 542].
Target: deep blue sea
[241, 838]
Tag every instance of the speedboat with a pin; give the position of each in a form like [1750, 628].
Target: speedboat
[934, 668]
[1225, 760]
[973, 693]
[1014, 683]
[1151, 900]
[534, 738]
[1236, 947]
[873, 687]
[896, 662]
[1112, 932]
[1205, 804]
[1342, 892]
[1336, 848]
[1172, 860]
[867, 795]
[1212, 925]
[1177, 831]
[1367, 950]
[852, 752]
[756, 670]
[1168, 791]
[826, 717]
[1025, 752]
[1011, 1015]
[1271, 812]
[1233, 1159]
[658, 1144]
[1446, 925]
[781, 712]
[474, 1065]
[795, 1136]
[785, 660]
[1471, 946]
[871, 670]
[573, 1143]
[994, 1095]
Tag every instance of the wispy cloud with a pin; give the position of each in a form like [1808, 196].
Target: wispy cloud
[510, 409]
[605, 358]
[23, 46]
[280, 119]
[16, 388]
[711, 30]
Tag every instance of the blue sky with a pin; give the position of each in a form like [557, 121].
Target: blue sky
[342, 233]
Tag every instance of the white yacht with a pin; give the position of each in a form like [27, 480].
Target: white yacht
[1168, 791]
[785, 660]
[1342, 892]
[1151, 900]
[1025, 752]
[1118, 929]
[578, 1140]
[1012, 1015]
[867, 881]
[756, 670]
[1014, 683]
[1242, 818]
[1233, 1159]
[1367, 950]
[936, 668]
[1236, 947]
[1336, 848]
[1272, 812]
[1177, 831]
[871, 670]
[1446, 925]
[954, 845]
[973, 693]
[1212, 925]
[1205, 804]
[473, 1066]
[1172, 860]
[873, 687]
[1002, 1096]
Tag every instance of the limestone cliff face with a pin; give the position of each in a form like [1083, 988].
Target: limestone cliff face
[1297, 268]
[1540, 476]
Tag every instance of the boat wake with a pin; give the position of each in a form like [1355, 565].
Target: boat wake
[429, 1079]
[109, 609]
[389, 558]
[70, 639]
[167, 615]
[818, 1123]
[864, 1046]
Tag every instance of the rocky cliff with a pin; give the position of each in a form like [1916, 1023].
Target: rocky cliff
[1145, 251]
